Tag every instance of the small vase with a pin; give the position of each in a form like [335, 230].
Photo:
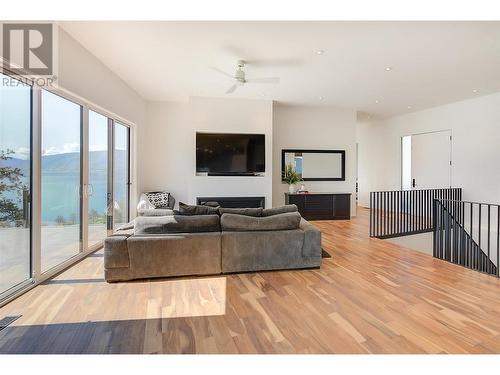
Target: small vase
[291, 189]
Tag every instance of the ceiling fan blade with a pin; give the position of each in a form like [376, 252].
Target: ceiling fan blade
[221, 72]
[274, 80]
[232, 89]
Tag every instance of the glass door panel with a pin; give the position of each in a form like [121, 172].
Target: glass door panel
[120, 175]
[15, 184]
[98, 178]
[61, 180]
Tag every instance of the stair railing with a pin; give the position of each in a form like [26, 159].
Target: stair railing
[405, 212]
[467, 234]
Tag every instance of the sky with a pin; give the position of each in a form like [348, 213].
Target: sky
[15, 119]
[60, 124]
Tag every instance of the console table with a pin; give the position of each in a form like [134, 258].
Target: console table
[322, 206]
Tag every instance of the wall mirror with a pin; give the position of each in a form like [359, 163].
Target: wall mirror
[316, 165]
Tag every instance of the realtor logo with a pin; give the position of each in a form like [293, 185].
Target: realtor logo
[28, 48]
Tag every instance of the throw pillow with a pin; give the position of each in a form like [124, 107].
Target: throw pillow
[211, 204]
[159, 199]
[188, 210]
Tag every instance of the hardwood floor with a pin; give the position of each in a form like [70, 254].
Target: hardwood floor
[372, 296]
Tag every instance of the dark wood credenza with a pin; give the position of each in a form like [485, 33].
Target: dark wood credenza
[322, 206]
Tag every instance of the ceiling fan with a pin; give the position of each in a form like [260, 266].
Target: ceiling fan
[240, 79]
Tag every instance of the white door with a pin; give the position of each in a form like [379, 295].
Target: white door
[431, 160]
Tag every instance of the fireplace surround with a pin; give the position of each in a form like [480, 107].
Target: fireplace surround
[234, 202]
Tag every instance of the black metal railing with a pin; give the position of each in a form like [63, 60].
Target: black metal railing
[467, 234]
[405, 212]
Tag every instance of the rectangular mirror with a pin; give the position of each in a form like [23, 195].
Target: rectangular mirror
[316, 165]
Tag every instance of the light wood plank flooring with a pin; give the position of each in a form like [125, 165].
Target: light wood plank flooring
[372, 296]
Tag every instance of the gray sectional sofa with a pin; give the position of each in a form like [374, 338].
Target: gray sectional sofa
[235, 240]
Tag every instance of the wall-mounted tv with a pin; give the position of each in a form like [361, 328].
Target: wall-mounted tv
[225, 154]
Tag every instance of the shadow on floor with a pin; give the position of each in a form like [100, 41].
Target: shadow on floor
[120, 336]
[73, 281]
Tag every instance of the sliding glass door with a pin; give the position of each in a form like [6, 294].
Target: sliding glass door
[61, 180]
[15, 184]
[97, 187]
[64, 182]
[121, 182]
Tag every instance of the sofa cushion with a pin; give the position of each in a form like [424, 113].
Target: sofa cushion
[279, 210]
[241, 211]
[242, 223]
[155, 212]
[189, 210]
[176, 224]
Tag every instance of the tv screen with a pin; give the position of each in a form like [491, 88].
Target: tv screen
[230, 154]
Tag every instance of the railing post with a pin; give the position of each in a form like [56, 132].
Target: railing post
[434, 228]
[488, 268]
[498, 241]
[371, 214]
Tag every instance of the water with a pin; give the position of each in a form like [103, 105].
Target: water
[61, 184]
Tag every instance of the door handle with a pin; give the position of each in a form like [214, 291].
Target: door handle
[90, 190]
[413, 184]
[27, 208]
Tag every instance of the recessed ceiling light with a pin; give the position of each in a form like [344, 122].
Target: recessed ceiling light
[319, 51]
[376, 101]
[475, 90]
[409, 107]
[388, 68]
[321, 97]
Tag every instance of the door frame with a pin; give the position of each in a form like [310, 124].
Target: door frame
[423, 133]
[113, 123]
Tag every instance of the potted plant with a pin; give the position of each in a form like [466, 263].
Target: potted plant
[291, 177]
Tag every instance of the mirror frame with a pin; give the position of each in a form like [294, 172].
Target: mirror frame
[341, 152]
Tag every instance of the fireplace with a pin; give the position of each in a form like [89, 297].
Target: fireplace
[234, 202]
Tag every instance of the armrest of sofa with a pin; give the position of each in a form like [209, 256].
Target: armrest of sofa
[312, 240]
[116, 251]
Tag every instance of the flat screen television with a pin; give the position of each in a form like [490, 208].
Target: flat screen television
[226, 154]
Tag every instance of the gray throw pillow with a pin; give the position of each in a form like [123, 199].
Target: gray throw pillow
[189, 210]
[212, 204]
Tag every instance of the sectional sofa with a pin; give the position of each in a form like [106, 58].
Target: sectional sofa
[231, 240]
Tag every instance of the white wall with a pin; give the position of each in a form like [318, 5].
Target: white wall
[315, 128]
[167, 156]
[83, 74]
[475, 126]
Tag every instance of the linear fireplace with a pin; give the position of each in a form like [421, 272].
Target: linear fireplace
[234, 202]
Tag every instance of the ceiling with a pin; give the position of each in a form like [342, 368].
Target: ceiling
[431, 63]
